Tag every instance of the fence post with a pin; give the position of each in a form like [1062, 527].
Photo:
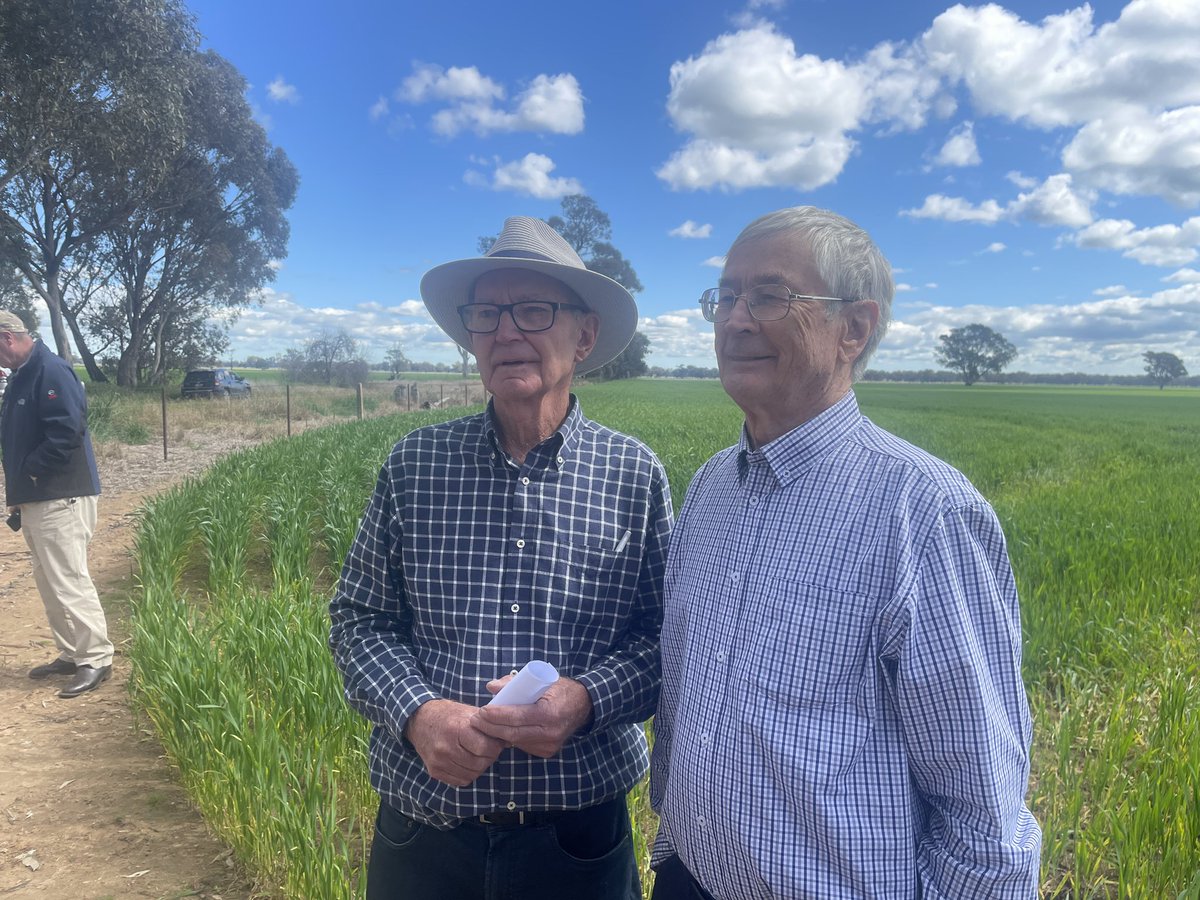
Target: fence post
[164, 417]
[288, 392]
[360, 401]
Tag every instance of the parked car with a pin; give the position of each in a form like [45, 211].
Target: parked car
[213, 383]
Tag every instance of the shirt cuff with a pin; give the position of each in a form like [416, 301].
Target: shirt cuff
[406, 698]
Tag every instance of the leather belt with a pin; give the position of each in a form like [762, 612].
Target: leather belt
[516, 817]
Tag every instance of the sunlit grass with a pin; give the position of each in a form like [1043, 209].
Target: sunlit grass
[1096, 490]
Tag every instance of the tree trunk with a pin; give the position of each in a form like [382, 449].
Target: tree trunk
[85, 355]
[53, 299]
[127, 363]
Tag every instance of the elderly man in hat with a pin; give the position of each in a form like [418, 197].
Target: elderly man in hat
[51, 486]
[524, 533]
[842, 711]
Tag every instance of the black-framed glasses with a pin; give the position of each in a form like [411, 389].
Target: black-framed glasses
[766, 302]
[529, 316]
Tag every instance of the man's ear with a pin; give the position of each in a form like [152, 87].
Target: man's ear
[589, 330]
[859, 320]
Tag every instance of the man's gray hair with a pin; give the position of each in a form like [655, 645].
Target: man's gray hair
[845, 257]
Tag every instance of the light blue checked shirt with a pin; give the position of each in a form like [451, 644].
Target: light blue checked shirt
[467, 565]
[842, 713]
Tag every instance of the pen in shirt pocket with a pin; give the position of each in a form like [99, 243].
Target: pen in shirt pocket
[623, 541]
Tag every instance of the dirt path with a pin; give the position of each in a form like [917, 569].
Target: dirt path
[89, 807]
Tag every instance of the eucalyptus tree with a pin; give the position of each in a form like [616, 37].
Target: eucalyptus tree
[1163, 368]
[91, 99]
[974, 351]
[206, 239]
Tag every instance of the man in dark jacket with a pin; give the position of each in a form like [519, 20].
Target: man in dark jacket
[51, 485]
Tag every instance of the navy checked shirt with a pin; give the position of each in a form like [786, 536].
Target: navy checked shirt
[842, 711]
[466, 566]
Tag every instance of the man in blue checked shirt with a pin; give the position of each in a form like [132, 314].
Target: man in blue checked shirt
[525, 532]
[842, 711]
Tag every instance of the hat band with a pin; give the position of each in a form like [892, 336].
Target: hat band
[526, 254]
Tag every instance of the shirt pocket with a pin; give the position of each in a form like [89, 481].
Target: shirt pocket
[589, 600]
[812, 650]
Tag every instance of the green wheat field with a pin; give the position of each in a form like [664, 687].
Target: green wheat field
[1098, 491]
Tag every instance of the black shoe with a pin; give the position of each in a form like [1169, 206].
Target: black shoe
[59, 667]
[86, 679]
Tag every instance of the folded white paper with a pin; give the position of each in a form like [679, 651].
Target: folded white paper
[527, 685]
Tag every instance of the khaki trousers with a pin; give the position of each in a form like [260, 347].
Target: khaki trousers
[57, 534]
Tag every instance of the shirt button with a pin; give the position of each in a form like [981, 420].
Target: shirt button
[754, 501]
[516, 607]
[513, 672]
[510, 805]
[700, 821]
[704, 739]
[560, 460]
[721, 656]
[520, 543]
[525, 479]
[735, 577]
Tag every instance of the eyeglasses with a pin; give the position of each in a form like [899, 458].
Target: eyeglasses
[529, 316]
[766, 302]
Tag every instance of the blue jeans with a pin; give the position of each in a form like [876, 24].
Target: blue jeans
[583, 854]
[672, 881]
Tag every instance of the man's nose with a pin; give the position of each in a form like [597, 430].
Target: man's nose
[739, 316]
[506, 326]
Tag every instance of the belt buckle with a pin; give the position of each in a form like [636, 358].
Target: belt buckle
[499, 818]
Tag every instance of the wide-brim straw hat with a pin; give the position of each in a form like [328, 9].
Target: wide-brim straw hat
[528, 243]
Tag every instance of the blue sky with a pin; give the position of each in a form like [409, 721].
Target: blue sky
[1031, 166]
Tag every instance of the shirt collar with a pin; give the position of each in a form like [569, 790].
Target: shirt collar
[792, 453]
[554, 450]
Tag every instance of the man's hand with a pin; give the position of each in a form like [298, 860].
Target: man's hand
[540, 729]
[452, 750]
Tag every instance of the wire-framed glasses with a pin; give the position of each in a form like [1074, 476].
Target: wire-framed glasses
[766, 302]
[528, 315]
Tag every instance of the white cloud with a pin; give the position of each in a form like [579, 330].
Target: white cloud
[282, 92]
[716, 262]
[679, 336]
[529, 175]
[758, 114]
[1161, 245]
[902, 288]
[379, 109]
[1054, 202]
[1140, 153]
[1064, 70]
[1115, 290]
[932, 285]
[995, 247]
[1021, 181]
[459, 84]
[690, 229]
[956, 209]
[1183, 276]
[960, 148]
[279, 322]
[550, 103]
[755, 112]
